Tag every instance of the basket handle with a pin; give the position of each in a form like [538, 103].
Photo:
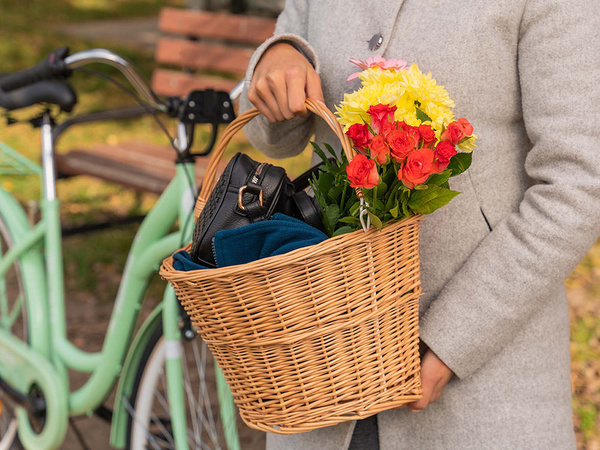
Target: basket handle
[210, 176]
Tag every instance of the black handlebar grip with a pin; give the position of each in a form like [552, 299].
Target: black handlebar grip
[50, 68]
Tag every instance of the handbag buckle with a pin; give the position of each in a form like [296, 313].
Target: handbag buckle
[241, 197]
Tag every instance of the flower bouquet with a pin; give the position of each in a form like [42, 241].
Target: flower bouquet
[408, 145]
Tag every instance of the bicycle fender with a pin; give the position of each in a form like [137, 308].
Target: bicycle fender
[118, 429]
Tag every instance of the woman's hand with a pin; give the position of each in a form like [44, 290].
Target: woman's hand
[282, 80]
[434, 377]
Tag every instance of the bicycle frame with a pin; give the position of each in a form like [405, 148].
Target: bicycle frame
[45, 361]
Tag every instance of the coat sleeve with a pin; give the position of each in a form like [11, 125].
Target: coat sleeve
[531, 252]
[289, 138]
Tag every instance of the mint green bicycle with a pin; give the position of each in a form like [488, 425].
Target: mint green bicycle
[163, 372]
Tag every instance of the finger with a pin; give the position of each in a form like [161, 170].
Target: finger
[264, 110]
[439, 389]
[421, 404]
[296, 84]
[263, 89]
[279, 90]
[314, 89]
[255, 99]
[436, 393]
[428, 383]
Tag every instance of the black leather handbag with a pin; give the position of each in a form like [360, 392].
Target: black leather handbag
[248, 192]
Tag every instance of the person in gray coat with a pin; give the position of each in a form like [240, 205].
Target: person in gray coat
[494, 314]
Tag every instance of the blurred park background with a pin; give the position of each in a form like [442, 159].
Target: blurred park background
[29, 29]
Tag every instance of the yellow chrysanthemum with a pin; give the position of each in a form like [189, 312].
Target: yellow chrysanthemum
[468, 145]
[404, 89]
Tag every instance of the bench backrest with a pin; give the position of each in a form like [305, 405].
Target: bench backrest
[213, 49]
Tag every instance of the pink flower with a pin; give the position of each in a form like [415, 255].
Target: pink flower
[377, 61]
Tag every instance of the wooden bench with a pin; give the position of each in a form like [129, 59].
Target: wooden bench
[193, 43]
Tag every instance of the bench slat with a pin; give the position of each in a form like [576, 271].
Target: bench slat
[142, 166]
[228, 27]
[170, 82]
[199, 55]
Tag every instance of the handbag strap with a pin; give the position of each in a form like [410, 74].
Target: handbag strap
[210, 176]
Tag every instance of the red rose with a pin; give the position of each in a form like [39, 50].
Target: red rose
[360, 135]
[362, 172]
[401, 144]
[418, 167]
[456, 131]
[381, 115]
[379, 149]
[387, 129]
[444, 151]
[467, 127]
[427, 134]
[414, 132]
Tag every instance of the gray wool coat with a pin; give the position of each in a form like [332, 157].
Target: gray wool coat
[526, 73]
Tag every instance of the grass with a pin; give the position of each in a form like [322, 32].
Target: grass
[93, 263]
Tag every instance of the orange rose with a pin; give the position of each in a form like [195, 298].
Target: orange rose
[427, 134]
[362, 172]
[418, 167]
[444, 151]
[401, 144]
[360, 135]
[379, 149]
[456, 131]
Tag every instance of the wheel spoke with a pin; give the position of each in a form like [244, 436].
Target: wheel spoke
[132, 413]
[203, 397]
[12, 306]
[153, 410]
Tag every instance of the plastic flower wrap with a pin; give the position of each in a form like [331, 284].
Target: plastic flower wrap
[409, 144]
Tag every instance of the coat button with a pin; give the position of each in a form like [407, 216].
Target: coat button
[375, 42]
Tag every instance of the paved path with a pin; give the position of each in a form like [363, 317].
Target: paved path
[140, 33]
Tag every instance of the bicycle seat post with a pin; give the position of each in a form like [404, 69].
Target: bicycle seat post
[48, 158]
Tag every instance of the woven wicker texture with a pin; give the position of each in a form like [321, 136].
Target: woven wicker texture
[317, 336]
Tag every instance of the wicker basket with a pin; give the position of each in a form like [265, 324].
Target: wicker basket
[317, 336]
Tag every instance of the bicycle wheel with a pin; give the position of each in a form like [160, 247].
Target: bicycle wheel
[13, 317]
[149, 424]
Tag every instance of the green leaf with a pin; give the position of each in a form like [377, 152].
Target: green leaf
[335, 193]
[421, 187]
[389, 176]
[332, 151]
[395, 211]
[325, 183]
[405, 210]
[332, 213]
[426, 202]
[459, 163]
[379, 206]
[382, 188]
[375, 220]
[439, 178]
[349, 219]
[355, 208]
[321, 154]
[422, 116]
[343, 230]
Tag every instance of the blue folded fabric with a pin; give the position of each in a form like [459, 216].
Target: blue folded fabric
[281, 234]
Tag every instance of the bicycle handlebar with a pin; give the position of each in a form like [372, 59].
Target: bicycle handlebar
[59, 64]
[50, 68]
